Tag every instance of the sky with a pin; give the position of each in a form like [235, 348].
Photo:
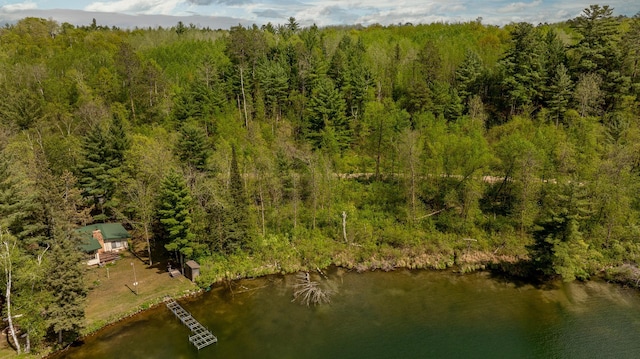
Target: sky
[223, 14]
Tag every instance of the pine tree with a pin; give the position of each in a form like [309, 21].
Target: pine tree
[119, 141]
[192, 149]
[65, 269]
[559, 247]
[560, 94]
[273, 77]
[326, 115]
[19, 208]
[555, 52]
[468, 75]
[198, 101]
[101, 171]
[65, 279]
[237, 226]
[598, 51]
[631, 43]
[523, 68]
[10, 197]
[96, 184]
[174, 214]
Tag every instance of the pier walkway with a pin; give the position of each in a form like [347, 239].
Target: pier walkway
[201, 336]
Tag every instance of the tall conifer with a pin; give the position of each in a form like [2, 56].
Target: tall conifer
[236, 226]
[174, 213]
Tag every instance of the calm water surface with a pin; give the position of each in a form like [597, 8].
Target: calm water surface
[401, 314]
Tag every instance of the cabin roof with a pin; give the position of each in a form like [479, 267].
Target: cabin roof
[88, 244]
[111, 232]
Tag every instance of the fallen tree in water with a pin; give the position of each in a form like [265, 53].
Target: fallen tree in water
[310, 292]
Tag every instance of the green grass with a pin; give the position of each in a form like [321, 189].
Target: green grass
[112, 295]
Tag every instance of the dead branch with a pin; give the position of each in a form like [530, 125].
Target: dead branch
[309, 292]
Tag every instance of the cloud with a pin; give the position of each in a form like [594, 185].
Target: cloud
[164, 7]
[320, 12]
[80, 18]
[270, 14]
[223, 2]
[28, 5]
[515, 7]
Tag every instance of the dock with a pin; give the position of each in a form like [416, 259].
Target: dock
[200, 336]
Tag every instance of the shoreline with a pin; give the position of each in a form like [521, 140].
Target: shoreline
[465, 263]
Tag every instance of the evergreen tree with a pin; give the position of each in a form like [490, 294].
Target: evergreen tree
[174, 214]
[237, 225]
[198, 101]
[101, 171]
[598, 51]
[273, 77]
[119, 141]
[65, 269]
[19, 208]
[555, 52]
[293, 25]
[427, 88]
[65, 280]
[523, 68]
[326, 122]
[468, 75]
[560, 94]
[192, 149]
[631, 43]
[559, 247]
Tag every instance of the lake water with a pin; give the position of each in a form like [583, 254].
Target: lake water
[400, 314]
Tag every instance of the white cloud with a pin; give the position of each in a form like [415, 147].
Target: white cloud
[28, 5]
[519, 6]
[321, 12]
[162, 7]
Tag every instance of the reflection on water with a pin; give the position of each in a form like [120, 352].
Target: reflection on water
[402, 314]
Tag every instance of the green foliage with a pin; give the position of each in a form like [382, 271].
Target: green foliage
[522, 137]
[65, 280]
[326, 123]
[523, 67]
[559, 247]
[237, 231]
[560, 90]
[101, 171]
[192, 148]
[174, 214]
[468, 75]
[598, 50]
[18, 207]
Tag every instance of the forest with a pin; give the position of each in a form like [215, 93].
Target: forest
[278, 148]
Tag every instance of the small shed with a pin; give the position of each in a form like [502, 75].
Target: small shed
[191, 270]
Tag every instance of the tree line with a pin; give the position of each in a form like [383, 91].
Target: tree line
[277, 148]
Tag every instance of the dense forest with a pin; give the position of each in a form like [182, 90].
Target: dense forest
[279, 148]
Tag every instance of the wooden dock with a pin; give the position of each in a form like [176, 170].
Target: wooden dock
[201, 336]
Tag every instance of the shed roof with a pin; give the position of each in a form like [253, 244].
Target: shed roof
[192, 264]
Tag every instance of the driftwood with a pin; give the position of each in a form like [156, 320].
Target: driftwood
[309, 292]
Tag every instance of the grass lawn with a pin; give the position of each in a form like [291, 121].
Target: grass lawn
[112, 294]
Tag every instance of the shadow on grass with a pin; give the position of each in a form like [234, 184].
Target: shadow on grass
[131, 289]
